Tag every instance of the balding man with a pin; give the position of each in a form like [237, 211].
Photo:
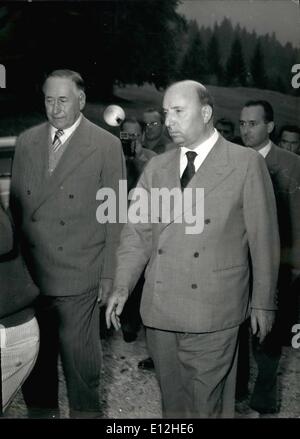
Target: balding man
[59, 166]
[197, 291]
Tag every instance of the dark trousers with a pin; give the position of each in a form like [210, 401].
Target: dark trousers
[267, 355]
[196, 372]
[69, 325]
[130, 318]
[243, 369]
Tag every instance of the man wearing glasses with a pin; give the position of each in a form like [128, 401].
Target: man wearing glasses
[154, 132]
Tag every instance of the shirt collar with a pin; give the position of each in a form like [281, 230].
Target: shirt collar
[204, 147]
[265, 150]
[67, 131]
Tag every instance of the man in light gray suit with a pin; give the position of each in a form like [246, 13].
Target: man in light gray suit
[197, 290]
[58, 168]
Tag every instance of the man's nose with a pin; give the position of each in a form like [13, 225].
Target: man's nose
[168, 120]
[56, 107]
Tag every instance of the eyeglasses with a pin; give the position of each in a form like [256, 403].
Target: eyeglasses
[151, 124]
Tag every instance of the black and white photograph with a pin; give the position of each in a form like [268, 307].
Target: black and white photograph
[150, 212]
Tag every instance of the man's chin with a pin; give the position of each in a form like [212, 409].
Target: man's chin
[58, 123]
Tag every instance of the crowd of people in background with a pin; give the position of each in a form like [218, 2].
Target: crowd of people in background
[200, 300]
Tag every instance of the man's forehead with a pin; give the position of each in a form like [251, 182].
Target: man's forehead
[151, 115]
[131, 126]
[252, 113]
[180, 96]
[61, 86]
[290, 135]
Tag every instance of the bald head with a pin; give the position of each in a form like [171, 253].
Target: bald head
[195, 88]
[188, 109]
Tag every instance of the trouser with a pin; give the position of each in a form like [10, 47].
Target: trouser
[19, 347]
[130, 318]
[267, 355]
[196, 372]
[69, 325]
[243, 368]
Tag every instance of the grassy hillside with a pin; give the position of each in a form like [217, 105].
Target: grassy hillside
[135, 99]
[228, 102]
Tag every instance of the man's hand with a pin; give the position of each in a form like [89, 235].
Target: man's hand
[261, 322]
[105, 288]
[115, 307]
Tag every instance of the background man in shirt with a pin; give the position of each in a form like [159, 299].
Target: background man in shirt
[196, 291]
[58, 168]
[256, 125]
[154, 132]
[289, 138]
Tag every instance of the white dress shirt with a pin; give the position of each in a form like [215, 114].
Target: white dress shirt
[265, 150]
[67, 131]
[202, 151]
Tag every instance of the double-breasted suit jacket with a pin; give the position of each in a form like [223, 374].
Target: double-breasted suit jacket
[67, 250]
[284, 168]
[200, 282]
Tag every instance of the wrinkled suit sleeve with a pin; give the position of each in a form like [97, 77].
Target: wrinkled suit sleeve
[263, 236]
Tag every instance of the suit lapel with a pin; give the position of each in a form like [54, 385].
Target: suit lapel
[38, 158]
[215, 168]
[272, 160]
[77, 151]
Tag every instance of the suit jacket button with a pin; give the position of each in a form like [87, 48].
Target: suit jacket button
[29, 192]
[196, 255]
[60, 248]
[194, 286]
[160, 251]
[62, 223]
[71, 196]
[207, 221]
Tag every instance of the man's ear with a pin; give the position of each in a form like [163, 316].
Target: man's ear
[82, 99]
[270, 127]
[206, 113]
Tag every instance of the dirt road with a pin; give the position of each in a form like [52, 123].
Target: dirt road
[127, 392]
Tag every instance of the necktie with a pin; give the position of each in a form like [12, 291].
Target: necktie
[189, 170]
[56, 144]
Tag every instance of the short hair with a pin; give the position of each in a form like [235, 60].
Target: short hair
[267, 107]
[132, 120]
[155, 110]
[225, 121]
[290, 129]
[70, 74]
[204, 96]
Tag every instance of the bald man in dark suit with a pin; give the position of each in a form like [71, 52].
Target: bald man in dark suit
[256, 125]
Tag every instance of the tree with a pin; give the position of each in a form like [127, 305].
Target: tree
[124, 40]
[257, 67]
[194, 61]
[215, 68]
[236, 73]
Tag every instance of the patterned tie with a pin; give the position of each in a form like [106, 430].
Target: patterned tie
[189, 171]
[56, 144]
